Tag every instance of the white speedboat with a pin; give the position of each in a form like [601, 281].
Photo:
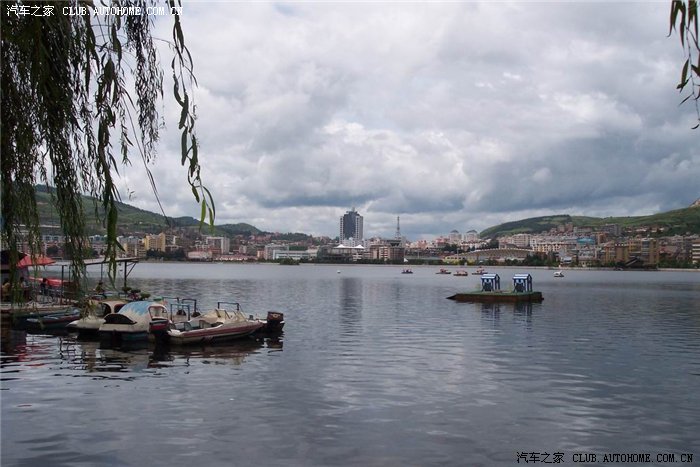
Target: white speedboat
[215, 325]
[135, 322]
[94, 316]
[558, 274]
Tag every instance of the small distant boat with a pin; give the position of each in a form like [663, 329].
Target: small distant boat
[461, 272]
[479, 271]
[558, 274]
[443, 271]
[406, 271]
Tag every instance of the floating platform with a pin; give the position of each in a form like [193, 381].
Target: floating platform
[498, 297]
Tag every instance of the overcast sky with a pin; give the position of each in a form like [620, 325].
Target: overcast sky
[450, 115]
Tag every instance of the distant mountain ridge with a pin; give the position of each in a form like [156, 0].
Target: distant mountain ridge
[675, 222]
[136, 220]
[133, 219]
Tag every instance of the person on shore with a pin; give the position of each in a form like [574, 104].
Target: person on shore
[100, 288]
[6, 289]
[24, 289]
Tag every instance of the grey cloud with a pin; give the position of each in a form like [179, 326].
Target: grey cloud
[452, 115]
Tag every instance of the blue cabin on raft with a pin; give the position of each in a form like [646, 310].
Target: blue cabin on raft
[522, 283]
[490, 283]
[491, 291]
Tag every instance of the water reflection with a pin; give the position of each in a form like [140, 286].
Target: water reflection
[91, 357]
[350, 298]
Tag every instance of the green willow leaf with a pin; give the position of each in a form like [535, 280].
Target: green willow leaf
[65, 102]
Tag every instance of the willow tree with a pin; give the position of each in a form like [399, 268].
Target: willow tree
[80, 97]
[684, 20]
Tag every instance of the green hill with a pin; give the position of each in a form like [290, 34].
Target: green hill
[135, 220]
[676, 222]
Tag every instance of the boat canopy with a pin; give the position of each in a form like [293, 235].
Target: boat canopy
[490, 282]
[141, 308]
[522, 283]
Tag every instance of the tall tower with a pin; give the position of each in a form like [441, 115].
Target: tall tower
[351, 226]
[398, 229]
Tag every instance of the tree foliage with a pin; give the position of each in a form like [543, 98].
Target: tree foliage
[684, 20]
[79, 97]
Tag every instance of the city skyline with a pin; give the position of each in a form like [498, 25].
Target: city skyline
[457, 115]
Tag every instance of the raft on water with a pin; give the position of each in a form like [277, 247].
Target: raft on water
[491, 291]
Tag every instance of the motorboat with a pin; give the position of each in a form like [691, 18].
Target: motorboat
[558, 274]
[216, 325]
[135, 322]
[18, 313]
[460, 272]
[90, 320]
[406, 271]
[443, 271]
[53, 322]
[479, 271]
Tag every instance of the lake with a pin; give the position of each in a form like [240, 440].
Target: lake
[375, 368]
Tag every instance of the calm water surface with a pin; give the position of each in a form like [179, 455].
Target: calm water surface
[374, 368]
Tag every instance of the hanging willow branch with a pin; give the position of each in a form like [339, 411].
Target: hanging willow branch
[66, 104]
[684, 19]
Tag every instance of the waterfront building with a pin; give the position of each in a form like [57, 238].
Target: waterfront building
[272, 249]
[615, 252]
[296, 255]
[645, 250]
[454, 237]
[695, 255]
[351, 227]
[341, 253]
[471, 236]
[133, 247]
[494, 254]
[389, 251]
[155, 242]
[613, 230]
[520, 240]
[218, 245]
[199, 255]
[553, 244]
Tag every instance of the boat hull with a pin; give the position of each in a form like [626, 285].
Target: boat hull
[51, 322]
[498, 297]
[213, 334]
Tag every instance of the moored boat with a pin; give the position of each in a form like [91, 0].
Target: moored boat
[460, 272]
[215, 325]
[88, 324]
[558, 274]
[17, 314]
[443, 271]
[52, 322]
[138, 321]
[406, 271]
